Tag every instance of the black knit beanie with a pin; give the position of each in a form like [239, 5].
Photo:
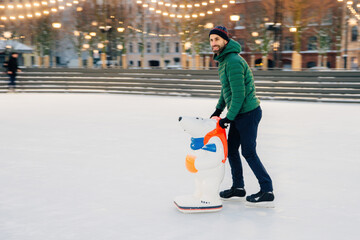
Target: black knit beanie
[221, 31]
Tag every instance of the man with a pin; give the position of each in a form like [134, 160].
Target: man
[243, 115]
[12, 69]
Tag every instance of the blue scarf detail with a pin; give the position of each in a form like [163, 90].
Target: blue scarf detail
[197, 143]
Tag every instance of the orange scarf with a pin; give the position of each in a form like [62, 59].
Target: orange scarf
[220, 133]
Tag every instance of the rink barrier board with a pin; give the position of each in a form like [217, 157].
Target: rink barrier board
[276, 85]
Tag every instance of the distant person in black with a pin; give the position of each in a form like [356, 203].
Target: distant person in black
[12, 69]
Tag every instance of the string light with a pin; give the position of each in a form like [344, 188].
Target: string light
[10, 8]
[353, 11]
[151, 34]
[35, 4]
[183, 7]
[52, 9]
[30, 5]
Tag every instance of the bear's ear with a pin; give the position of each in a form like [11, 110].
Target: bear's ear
[211, 147]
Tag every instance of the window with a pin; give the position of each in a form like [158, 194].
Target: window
[354, 33]
[324, 42]
[158, 47]
[167, 47]
[354, 63]
[327, 19]
[154, 63]
[157, 27]
[131, 47]
[177, 47]
[242, 43]
[312, 42]
[148, 47]
[312, 13]
[288, 44]
[288, 18]
[241, 21]
[310, 64]
[139, 9]
[148, 27]
[140, 47]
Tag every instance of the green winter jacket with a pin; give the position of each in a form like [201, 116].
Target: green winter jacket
[237, 82]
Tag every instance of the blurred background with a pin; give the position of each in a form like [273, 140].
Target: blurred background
[173, 34]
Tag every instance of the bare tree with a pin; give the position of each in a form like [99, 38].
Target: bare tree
[44, 36]
[328, 19]
[297, 15]
[256, 16]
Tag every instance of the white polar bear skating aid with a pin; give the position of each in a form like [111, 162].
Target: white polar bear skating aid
[206, 161]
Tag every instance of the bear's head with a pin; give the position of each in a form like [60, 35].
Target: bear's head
[197, 127]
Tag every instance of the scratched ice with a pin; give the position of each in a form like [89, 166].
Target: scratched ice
[97, 166]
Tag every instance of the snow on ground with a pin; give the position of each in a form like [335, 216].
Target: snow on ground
[95, 167]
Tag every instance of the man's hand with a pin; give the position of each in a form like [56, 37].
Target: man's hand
[224, 122]
[216, 113]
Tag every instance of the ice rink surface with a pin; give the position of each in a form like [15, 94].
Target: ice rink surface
[107, 167]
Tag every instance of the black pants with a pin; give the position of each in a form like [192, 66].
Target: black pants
[12, 80]
[243, 132]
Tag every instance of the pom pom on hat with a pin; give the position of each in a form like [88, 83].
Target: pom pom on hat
[221, 31]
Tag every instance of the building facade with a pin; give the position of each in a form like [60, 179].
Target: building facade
[143, 33]
[329, 41]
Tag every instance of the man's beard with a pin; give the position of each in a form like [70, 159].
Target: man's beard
[219, 50]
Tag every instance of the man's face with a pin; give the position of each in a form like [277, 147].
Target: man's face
[217, 43]
[15, 55]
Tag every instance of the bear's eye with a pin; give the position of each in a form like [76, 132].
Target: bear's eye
[197, 118]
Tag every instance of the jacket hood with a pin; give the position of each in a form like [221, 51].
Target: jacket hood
[231, 47]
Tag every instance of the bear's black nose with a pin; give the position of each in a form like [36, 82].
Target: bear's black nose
[180, 119]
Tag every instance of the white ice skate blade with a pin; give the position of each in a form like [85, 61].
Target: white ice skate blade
[234, 199]
[260, 204]
[198, 209]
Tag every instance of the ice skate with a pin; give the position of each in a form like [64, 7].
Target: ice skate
[261, 199]
[233, 194]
